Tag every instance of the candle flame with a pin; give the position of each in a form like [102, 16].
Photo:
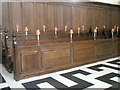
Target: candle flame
[66, 27]
[78, 28]
[17, 26]
[37, 32]
[103, 26]
[112, 29]
[114, 26]
[26, 29]
[95, 30]
[96, 27]
[71, 31]
[44, 26]
[83, 26]
[56, 28]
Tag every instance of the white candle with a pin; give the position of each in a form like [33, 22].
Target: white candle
[94, 35]
[65, 28]
[17, 26]
[56, 30]
[83, 28]
[117, 30]
[26, 30]
[71, 33]
[38, 34]
[44, 28]
[112, 32]
[26, 33]
[95, 32]
[17, 30]
[78, 32]
[38, 38]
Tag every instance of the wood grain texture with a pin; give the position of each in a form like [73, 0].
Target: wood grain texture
[32, 59]
[34, 15]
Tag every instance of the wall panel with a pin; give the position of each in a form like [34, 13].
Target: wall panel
[39, 15]
[60, 17]
[75, 17]
[16, 15]
[83, 16]
[50, 16]
[28, 15]
[34, 15]
[68, 16]
[5, 15]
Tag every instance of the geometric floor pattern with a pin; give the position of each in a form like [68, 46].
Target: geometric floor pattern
[103, 75]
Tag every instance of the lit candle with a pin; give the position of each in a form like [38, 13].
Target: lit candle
[114, 27]
[78, 30]
[44, 27]
[56, 29]
[95, 31]
[71, 33]
[104, 26]
[117, 30]
[17, 28]
[38, 34]
[26, 30]
[112, 32]
[83, 28]
[66, 27]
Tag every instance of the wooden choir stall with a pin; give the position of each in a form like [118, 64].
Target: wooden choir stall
[29, 53]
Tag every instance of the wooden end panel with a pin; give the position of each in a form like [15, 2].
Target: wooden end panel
[29, 60]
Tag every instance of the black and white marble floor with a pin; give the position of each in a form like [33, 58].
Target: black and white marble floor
[103, 75]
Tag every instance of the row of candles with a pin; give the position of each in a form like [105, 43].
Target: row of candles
[71, 31]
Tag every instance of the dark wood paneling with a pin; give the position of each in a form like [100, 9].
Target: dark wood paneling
[29, 59]
[84, 52]
[90, 17]
[60, 17]
[52, 56]
[34, 15]
[50, 16]
[39, 15]
[75, 17]
[16, 15]
[68, 16]
[55, 56]
[5, 15]
[28, 15]
[83, 18]
[104, 49]
[115, 47]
